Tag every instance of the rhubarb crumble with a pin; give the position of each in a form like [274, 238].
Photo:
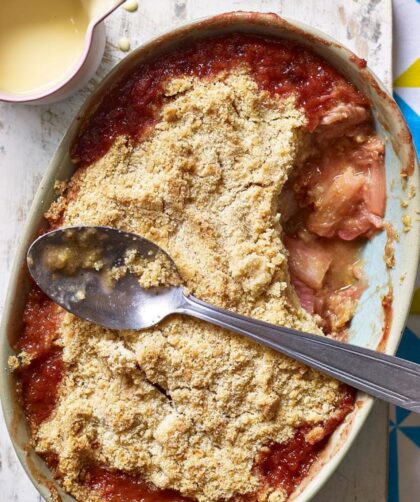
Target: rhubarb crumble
[255, 166]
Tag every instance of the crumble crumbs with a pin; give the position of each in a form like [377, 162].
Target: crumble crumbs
[152, 271]
[406, 221]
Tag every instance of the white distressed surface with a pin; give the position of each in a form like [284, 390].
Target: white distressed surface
[29, 136]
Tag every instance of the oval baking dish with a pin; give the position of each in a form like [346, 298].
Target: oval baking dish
[372, 325]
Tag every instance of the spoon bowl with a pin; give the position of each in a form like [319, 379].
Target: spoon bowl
[72, 266]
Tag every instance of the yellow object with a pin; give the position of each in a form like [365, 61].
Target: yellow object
[124, 44]
[415, 304]
[40, 42]
[411, 76]
[131, 5]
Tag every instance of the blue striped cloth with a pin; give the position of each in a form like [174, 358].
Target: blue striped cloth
[404, 427]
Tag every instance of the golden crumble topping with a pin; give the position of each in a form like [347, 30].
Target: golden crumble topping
[152, 271]
[186, 404]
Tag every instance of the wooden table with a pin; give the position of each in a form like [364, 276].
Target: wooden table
[29, 136]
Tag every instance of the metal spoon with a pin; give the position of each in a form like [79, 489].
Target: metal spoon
[123, 304]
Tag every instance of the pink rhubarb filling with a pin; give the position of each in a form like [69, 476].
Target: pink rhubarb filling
[333, 202]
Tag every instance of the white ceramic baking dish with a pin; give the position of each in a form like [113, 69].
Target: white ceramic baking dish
[367, 328]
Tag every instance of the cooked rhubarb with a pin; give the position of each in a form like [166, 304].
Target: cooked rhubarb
[331, 204]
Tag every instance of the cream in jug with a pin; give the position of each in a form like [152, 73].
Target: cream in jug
[41, 41]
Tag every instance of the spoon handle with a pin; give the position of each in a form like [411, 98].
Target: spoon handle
[386, 377]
